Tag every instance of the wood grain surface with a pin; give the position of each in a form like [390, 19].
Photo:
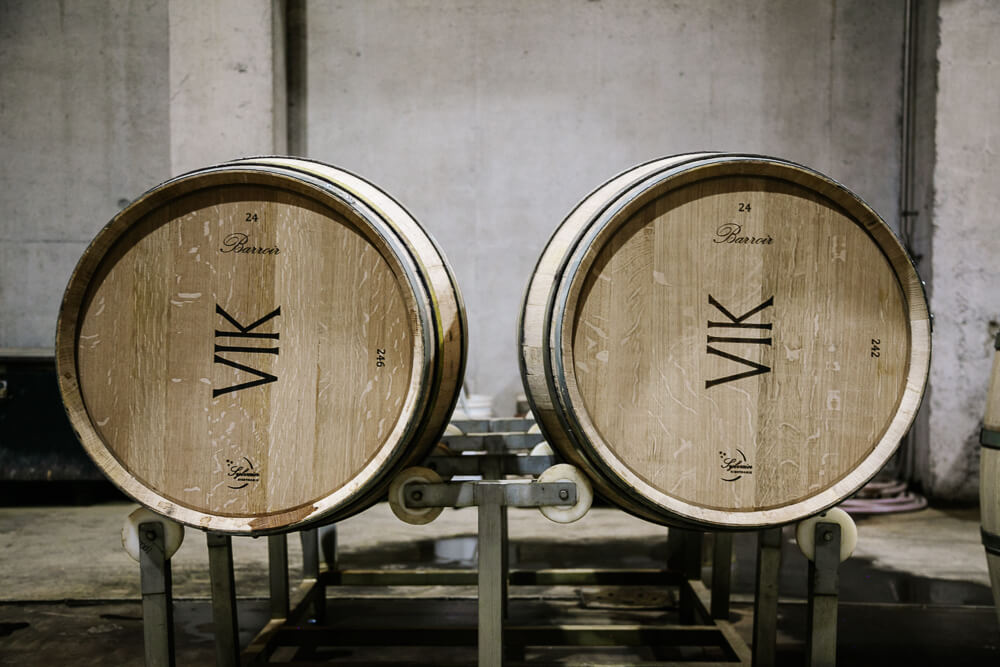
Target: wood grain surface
[989, 507]
[989, 478]
[247, 350]
[734, 343]
[991, 415]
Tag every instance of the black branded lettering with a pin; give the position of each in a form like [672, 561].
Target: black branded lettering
[252, 350]
[732, 339]
[237, 243]
[730, 232]
[737, 322]
[246, 332]
[757, 368]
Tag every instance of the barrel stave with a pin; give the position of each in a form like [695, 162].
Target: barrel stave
[989, 478]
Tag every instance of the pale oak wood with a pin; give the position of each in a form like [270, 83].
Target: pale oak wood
[991, 415]
[369, 342]
[989, 507]
[536, 306]
[620, 358]
[989, 478]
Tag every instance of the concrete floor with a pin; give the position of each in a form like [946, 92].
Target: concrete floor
[917, 586]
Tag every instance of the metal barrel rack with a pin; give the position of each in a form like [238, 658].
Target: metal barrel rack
[299, 620]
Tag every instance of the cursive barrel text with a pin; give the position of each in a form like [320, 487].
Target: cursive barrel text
[238, 242]
[731, 232]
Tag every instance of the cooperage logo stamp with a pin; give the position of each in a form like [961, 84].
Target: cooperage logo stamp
[241, 475]
[734, 467]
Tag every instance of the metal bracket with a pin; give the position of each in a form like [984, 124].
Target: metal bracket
[821, 642]
[494, 425]
[765, 602]
[509, 464]
[493, 571]
[277, 560]
[157, 596]
[491, 442]
[722, 555]
[989, 438]
[492, 497]
[510, 494]
[991, 542]
[223, 582]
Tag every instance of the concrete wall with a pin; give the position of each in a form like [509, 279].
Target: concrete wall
[490, 120]
[966, 290]
[226, 81]
[102, 100]
[83, 118]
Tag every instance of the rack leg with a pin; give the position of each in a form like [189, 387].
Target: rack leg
[691, 567]
[220, 569]
[492, 469]
[504, 562]
[277, 559]
[765, 606]
[157, 596]
[310, 570]
[821, 642]
[722, 557]
[328, 546]
[491, 584]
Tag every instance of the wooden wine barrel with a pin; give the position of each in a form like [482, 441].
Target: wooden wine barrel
[989, 478]
[259, 345]
[726, 341]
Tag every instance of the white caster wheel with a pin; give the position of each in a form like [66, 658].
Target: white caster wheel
[397, 497]
[542, 449]
[564, 472]
[173, 533]
[805, 533]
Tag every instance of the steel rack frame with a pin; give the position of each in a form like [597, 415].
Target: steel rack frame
[298, 616]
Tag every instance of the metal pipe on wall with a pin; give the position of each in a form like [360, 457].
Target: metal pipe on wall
[296, 76]
[907, 209]
[889, 492]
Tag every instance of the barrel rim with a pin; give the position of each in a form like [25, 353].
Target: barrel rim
[326, 172]
[618, 185]
[583, 436]
[411, 233]
[325, 193]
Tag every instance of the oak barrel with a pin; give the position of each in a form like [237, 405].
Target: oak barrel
[724, 340]
[989, 478]
[260, 345]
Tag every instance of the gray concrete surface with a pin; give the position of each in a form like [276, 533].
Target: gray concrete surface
[70, 594]
[965, 298]
[226, 84]
[931, 543]
[56, 553]
[83, 130]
